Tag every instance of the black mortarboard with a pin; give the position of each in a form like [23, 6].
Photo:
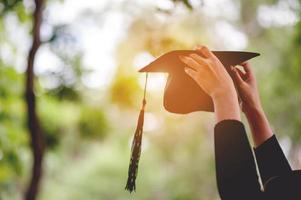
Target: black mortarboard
[182, 94]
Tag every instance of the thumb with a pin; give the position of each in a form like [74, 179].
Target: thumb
[237, 78]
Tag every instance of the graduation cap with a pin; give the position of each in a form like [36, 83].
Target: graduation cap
[182, 94]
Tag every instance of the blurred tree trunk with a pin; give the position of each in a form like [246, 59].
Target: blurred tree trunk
[36, 136]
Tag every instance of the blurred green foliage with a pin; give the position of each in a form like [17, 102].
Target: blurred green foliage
[88, 131]
[124, 91]
[12, 128]
[93, 123]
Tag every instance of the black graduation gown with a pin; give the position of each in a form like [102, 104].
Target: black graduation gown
[237, 177]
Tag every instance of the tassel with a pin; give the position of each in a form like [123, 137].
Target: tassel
[136, 149]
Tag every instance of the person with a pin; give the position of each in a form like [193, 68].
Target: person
[236, 167]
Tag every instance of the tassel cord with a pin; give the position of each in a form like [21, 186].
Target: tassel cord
[136, 147]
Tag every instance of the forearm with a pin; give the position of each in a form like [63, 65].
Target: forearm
[259, 125]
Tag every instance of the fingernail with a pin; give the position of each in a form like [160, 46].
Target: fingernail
[203, 48]
[205, 51]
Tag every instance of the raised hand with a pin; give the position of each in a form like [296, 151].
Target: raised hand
[210, 74]
[246, 85]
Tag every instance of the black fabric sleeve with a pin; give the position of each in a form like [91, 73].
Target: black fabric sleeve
[271, 160]
[235, 165]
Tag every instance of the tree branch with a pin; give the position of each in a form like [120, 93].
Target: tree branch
[36, 136]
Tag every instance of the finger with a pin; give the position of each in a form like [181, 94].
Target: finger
[198, 47]
[190, 62]
[206, 52]
[191, 73]
[249, 72]
[194, 75]
[199, 59]
[204, 64]
[247, 67]
[237, 78]
[241, 73]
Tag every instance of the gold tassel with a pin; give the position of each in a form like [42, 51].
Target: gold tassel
[136, 148]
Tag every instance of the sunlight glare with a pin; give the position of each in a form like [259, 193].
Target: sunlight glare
[151, 122]
[156, 81]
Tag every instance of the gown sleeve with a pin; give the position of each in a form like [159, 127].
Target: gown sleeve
[271, 160]
[235, 165]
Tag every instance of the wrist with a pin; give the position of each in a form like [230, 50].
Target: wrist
[255, 110]
[226, 106]
[224, 93]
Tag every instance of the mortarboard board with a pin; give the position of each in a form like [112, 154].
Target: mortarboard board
[182, 94]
